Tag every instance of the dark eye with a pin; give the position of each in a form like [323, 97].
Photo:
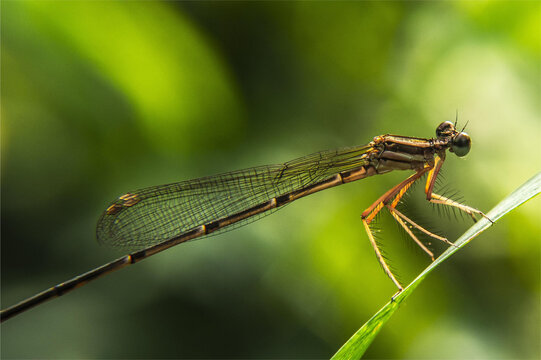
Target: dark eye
[445, 129]
[461, 144]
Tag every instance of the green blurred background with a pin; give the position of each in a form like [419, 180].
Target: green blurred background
[99, 98]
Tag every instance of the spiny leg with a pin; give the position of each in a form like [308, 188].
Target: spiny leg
[410, 233]
[419, 227]
[380, 256]
[439, 199]
[369, 214]
[398, 215]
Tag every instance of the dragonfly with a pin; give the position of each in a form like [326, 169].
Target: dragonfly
[156, 218]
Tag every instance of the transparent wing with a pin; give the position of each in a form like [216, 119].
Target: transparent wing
[149, 216]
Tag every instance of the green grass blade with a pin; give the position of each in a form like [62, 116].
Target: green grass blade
[355, 347]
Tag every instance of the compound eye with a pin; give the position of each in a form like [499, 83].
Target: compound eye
[446, 128]
[461, 144]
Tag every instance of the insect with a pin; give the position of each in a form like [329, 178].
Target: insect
[159, 217]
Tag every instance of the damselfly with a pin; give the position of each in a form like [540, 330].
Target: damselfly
[159, 217]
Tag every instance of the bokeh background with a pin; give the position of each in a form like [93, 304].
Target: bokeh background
[99, 98]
